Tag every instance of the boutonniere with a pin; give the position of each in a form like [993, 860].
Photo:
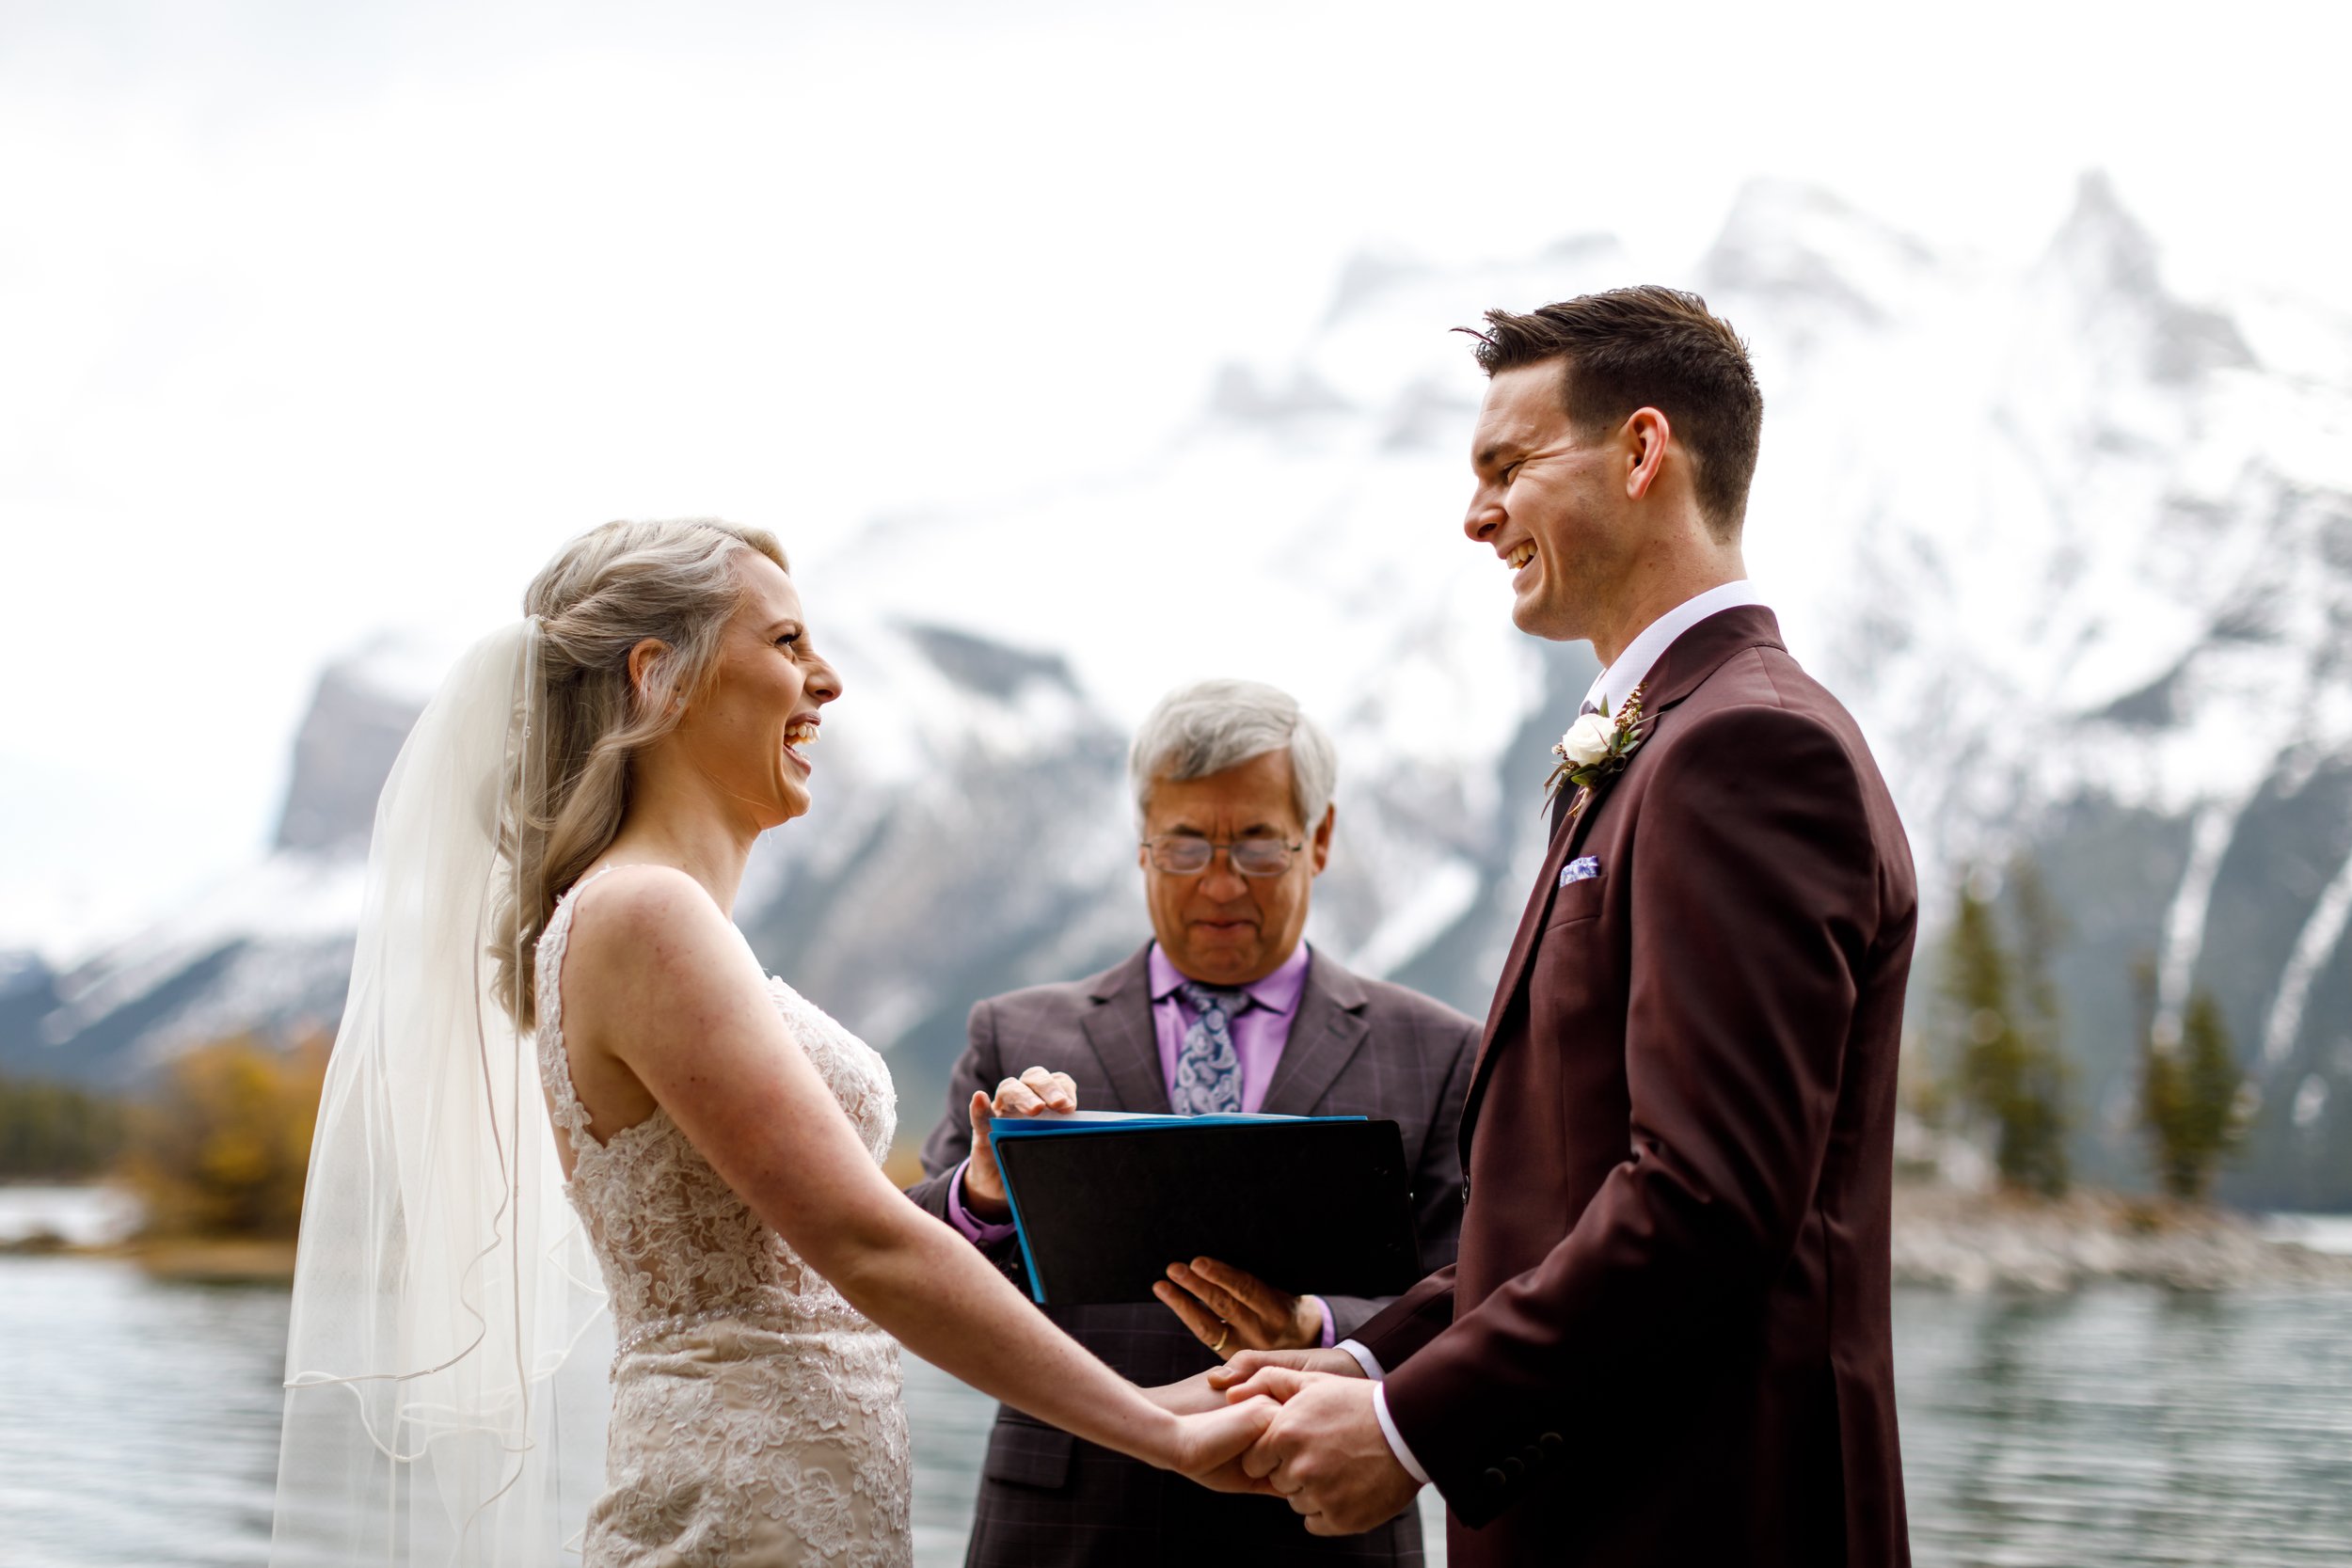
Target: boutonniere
[1597, 747]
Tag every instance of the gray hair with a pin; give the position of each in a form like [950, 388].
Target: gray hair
[1210, 726]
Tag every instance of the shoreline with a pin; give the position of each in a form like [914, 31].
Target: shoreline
[1944, 1238]
[196, 1261]
[1976, 1242]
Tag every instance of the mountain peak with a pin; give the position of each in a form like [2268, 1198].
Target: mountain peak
[1369, 273]
[2112, 263]
[342, 754]
[2072, 608]
[1241, 394]
[1806, 250]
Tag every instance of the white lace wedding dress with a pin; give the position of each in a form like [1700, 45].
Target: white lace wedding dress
[756, 1418]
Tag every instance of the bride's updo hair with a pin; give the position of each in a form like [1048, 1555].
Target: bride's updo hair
[613, 587]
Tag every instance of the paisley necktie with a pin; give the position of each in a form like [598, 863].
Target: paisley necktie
[1208, 1073]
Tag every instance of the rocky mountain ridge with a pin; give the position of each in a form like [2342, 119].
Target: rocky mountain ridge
[2076, 550]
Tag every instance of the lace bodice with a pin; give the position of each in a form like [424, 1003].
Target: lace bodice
[675, 1240]
[756, 1418]
[674, 1237]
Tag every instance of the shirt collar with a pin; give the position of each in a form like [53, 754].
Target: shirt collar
[1612, 686]
[1279, 992]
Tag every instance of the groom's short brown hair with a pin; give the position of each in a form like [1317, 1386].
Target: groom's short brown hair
[1647, 347]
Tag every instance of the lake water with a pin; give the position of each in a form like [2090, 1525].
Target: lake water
[138, 1425]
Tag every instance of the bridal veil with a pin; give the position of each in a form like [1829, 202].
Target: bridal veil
[445, 1378]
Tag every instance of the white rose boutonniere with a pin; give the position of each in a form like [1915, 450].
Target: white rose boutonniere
[1587, 741]
[1595, 747]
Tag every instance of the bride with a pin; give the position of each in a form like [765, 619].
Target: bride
[555, 857]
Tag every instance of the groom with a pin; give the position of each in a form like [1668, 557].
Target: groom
[1665, 1338]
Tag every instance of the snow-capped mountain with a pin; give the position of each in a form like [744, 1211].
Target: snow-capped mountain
[2077, 552]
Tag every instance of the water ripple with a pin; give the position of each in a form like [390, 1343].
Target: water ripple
[2127, 1426]
[138, 1425]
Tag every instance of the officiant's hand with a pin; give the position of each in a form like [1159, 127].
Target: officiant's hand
[1231, 1312]
[1033, 1093]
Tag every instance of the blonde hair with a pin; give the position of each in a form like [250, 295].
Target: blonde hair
[677, 583]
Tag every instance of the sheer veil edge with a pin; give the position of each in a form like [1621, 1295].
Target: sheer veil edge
[445, 1393]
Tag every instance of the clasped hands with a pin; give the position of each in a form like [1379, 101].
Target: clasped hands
[1322, 1451]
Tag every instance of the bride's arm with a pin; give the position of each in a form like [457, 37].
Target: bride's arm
[655, 977]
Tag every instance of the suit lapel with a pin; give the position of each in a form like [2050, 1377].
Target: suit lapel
[1564, 838]
[1681, 670]
[1325, 1036]
[1119, 1027]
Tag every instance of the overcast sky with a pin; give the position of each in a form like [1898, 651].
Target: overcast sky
[320, 318]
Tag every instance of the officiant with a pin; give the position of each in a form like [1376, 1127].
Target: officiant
[1225, 1010]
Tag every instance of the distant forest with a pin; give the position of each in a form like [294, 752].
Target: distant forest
[57, 1131]
[219, 1146]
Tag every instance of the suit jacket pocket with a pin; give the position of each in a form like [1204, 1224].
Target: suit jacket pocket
[1027, 1453]
[1577, 901]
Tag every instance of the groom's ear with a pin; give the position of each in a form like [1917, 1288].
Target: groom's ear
[1320, 845]
[1644, 436]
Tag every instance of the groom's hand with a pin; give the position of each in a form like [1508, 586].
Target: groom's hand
[1230, 1310]
[1242, 1367]
[1325, 1452]
[1033, 1093]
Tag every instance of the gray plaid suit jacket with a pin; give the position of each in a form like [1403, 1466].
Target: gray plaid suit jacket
[1357, 1047]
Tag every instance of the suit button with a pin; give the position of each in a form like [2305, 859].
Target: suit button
[1497, 1480]
[1512, 1468]
[1533, 1455]
[1554, 1443]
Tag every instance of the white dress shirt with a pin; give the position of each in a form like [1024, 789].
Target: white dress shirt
[1609, 691]
[1373, 1369]
[1612, 686]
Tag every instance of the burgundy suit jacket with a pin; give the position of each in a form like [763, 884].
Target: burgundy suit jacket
[1665, 1338]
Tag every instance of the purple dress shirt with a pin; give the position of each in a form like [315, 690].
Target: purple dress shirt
[1260, 1031]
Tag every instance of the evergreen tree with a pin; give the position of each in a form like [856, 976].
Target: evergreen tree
[2040, 932]
[2193, 1099]
[2044, 1075]
[2010, 1070]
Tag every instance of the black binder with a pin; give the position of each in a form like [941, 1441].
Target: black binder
[1104, 1203]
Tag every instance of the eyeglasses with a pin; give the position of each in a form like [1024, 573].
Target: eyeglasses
[1189, 854]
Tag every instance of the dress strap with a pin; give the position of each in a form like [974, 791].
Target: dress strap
[555, 1066]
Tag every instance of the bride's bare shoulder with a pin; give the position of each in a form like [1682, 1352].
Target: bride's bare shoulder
[647, 927]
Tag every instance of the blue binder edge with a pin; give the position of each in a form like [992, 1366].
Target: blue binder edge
[1052, 1126]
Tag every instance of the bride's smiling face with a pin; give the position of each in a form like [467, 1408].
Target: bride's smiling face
[750, 730]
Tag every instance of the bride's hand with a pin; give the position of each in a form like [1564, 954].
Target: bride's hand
[1190, 1397]
[1210, 1446]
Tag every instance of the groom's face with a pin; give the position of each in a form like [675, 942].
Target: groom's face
[1544, 505]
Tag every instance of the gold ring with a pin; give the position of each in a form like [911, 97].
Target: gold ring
[1219, 1349]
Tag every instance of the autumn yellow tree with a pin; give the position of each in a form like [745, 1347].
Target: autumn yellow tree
[222, 1147]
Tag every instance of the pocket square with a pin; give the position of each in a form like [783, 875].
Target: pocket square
[1584, 868]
